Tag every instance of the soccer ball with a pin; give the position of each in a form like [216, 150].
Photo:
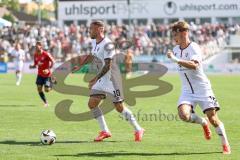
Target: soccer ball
[48, 137]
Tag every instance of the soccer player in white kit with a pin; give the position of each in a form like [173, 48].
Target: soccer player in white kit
[19, 57]
[196, 88]
[106, 82]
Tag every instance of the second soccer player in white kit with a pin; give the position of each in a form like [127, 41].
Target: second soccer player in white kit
[196, 88]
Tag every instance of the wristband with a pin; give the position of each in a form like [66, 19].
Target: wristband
[175, 59]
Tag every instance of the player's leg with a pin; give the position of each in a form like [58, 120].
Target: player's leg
[139, 131]
[53, 80]
[19, 74]
[47, 87]
[47, 84]
[41, 94]
[40, 82]
[186, 113]
[19, 66]
[219, 127]
[93, 105]
[18, 77]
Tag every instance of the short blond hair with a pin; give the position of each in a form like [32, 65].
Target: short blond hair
[180, 26]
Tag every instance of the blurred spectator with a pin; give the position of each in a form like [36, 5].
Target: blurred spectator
[151, 39]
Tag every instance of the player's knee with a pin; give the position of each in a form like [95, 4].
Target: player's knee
[119, 107]
[184, 112]
[213, 121]
[90, 105]
[93, 102]
[39, 89]
[47, 89]
[213, 118]
[184, 117]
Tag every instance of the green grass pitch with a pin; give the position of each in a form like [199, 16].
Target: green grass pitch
[23, 118]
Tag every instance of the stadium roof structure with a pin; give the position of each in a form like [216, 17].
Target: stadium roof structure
[27, 18]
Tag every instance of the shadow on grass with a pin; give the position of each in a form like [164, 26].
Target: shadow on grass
[13, 142]
[19, 105]
[123, 153]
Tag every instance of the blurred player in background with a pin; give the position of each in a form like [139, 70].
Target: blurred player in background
[128, 60]
[19, 56]
[106, 81]
[44, 62]
[196, 88]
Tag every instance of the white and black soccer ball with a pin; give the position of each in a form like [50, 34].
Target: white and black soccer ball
[48, 137]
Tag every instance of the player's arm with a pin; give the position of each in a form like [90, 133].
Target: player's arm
[105, 69]
[82, 60]
[51, 60]
[192, 64]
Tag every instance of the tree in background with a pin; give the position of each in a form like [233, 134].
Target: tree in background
[8, 17]
[11, 4]
[44, 13]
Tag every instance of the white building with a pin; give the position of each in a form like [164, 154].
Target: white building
[148, 11]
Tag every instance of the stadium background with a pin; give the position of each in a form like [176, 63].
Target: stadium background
[214, 25]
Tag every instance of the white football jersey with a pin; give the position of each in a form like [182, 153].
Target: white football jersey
[19, 55]
[194, 82]
[102, 51]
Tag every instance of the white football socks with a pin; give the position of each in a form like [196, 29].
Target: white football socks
[19, 78]
[102, 123]
[220, 130]
[130, 117]
[97, 113]
[196, 119]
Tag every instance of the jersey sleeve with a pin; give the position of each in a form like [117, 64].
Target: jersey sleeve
[196, 53]
[50, 57]
[108, 53]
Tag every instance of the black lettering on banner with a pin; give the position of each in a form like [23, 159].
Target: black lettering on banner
[90, 10]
